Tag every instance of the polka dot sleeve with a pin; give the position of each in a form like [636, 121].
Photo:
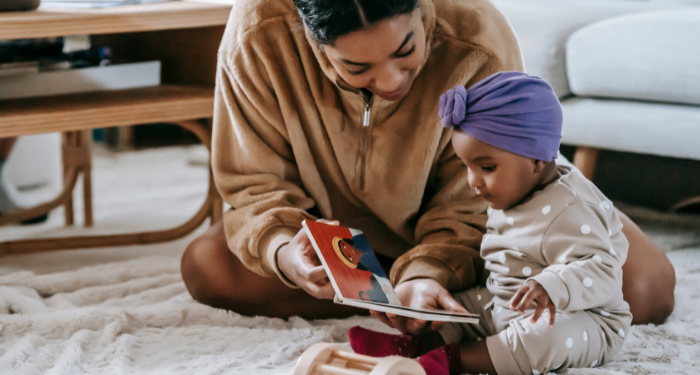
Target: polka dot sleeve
[584, 249]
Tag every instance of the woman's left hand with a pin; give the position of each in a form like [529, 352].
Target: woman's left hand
[422, 294]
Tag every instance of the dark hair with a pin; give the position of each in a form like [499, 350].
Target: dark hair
[329, 19]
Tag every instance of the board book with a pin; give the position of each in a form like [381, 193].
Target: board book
[359, 279]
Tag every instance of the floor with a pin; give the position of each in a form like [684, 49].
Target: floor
[125, 310]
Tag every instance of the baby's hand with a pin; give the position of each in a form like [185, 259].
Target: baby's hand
[531, 292]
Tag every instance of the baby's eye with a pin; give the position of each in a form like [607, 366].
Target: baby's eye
[488, 168]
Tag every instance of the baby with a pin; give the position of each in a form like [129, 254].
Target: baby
[553, 245]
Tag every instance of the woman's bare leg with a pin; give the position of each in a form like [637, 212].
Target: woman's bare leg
[648, 278]
[215, 276]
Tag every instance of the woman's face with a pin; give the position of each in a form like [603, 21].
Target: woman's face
[382, 58]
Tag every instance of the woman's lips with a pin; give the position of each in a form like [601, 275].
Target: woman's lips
[396, 94]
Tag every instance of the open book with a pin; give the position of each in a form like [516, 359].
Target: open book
[358, 278]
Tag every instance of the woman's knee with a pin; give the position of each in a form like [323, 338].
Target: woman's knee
[206, 268]
[651, 298]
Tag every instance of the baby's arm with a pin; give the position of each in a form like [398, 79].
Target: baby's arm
[585, 250]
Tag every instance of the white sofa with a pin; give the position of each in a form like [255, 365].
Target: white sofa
[627, 72]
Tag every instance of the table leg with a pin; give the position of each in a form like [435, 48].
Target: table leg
[68, 145]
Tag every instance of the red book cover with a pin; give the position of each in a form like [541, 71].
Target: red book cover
[353, 265]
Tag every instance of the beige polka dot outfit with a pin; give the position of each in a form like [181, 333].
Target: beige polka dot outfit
[568, 238]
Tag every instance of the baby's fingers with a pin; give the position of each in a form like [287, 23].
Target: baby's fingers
[538, 313]
[526, 301]
[552, 314]
[513, 303]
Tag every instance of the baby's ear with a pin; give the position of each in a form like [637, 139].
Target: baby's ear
[539, 166]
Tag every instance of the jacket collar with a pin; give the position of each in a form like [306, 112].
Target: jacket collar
[427, 9]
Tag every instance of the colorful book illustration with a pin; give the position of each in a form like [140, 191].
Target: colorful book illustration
[358, 277]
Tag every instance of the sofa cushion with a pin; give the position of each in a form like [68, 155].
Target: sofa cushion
[543, 27]
[647, 56]
[633, 126]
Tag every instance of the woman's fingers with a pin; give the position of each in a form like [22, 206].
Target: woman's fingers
[320, 292]
[434, 326]
[417, 326]
[407, 325]
[329, 222]
[398, 322]
[381, 317]
[448, 303]
[317, 275]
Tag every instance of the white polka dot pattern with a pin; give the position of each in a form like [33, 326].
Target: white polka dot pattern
[604, 313]
[581, 263]
[585, 229]
[597, 258]
[510, 220]
[569, 342]
[612, 252]
[621, 333]
[587, 282]
[594, 363]
[527, 271]
[585, 336]
[499, 309]
[478, 296]
[502, 258]
[546, 209]
[535, 372]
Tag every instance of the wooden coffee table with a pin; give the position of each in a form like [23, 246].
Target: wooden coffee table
[184, 36]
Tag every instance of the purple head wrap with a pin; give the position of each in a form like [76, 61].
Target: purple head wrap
[513, 111]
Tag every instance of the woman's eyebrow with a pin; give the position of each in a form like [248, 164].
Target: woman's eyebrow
[405, 40]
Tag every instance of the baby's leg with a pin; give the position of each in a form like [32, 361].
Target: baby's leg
[581, 339]
[475, 301]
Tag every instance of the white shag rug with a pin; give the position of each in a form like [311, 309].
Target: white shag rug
[126, 311]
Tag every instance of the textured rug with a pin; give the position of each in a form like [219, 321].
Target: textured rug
[126, 311]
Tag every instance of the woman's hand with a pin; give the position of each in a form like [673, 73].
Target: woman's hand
[530, 292]
[423, 294]
[299, 263]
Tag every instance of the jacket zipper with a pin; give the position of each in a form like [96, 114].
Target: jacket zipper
[365, 124]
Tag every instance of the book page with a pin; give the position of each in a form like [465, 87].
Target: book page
[433, 316]
[351, 263]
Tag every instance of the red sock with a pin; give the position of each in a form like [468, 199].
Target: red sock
[442, 361]
[377, 344]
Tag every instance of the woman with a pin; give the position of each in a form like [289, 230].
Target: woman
[336, 117]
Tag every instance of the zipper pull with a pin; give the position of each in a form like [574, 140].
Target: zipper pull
[365, 122]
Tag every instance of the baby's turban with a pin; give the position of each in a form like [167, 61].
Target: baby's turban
[513, 111]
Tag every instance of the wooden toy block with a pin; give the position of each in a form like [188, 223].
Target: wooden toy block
[335, 359]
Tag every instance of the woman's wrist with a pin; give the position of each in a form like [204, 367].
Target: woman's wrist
[288, 282]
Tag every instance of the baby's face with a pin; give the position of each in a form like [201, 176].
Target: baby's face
[351, 253]
[503, 179]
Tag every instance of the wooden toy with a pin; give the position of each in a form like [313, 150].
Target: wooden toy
[335, 359]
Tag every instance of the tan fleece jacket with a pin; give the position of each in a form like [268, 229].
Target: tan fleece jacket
[289, 137]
